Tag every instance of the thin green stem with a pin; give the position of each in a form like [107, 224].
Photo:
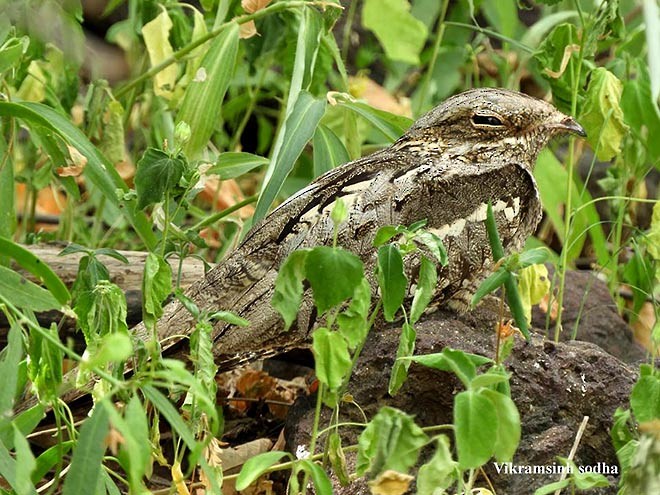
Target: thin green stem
[492, 34]
[315, 429]
[166, 226]
[434, 57]
[222, 214]
[179, 54]
[346, 35]
[568, 211]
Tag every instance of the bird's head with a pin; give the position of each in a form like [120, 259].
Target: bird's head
[488, 124]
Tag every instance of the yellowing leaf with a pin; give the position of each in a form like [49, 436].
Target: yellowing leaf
[156, 36]
[390, 483]
[401, 35]
[33, 87]
[602, 116]
[533, 284]
[653, 237]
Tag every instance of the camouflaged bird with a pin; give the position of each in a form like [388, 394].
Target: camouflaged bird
[476, 147]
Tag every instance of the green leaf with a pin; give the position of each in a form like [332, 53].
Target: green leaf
[233, 164]
[102, 311]
[508, 424]
[551, 177]
[7, 196]
[135, 452]
[322, 484]
[588, 480]
[488, 379]
[558, 59]
[256, 466]
[621, 433]
[36, 267]
[297, 130]
[602, 116]
[289, 287]
[440, 472]
[156, 286]
[405, 349]
[88, 454]
[337, 458]
[25, 464]
[426, 282]
[640, 109]
[434, 244]
[391, 440]
[204, 95]
[47, 460]
[114, 347]
[462, 364]
[8, 466]
[175, 420]
[645, 399]
[333, 361]
[401, 35]
[99, 171]
[390, 125]
[493, 282]
[26, 422]
[25, 294]
[639, 273]
[475, 427]
[653, 237]
[329, 151]
[353, 322]
[333, 273]
[391, 279]
[229, 317]
[384, 234]
[11, 357]
[552, 487]
[45, 363]
[11, 52]
[157, 174]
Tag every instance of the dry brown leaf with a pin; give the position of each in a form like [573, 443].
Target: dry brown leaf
[378, 97]
[247, 30]
[113, 440]
[223, 194]
[213, 455]
[506, 329]
[235, 457]
[390, 483]
[644, 325]
[252, 6]
[543, 306]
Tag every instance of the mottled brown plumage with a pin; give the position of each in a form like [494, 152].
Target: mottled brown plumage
[476, 147]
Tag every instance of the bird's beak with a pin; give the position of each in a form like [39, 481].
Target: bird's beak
[569, 124]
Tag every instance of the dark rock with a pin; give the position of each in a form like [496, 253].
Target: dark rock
[591, 314]
[553, 385]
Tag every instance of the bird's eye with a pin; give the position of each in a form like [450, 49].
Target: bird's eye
[486, 121]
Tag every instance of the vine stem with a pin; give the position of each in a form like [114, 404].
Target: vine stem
[179, 54]
[434, 57]
[568, 213]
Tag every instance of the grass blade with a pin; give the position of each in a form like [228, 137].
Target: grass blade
[204, 95]
[98, 170]
[298, 129]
